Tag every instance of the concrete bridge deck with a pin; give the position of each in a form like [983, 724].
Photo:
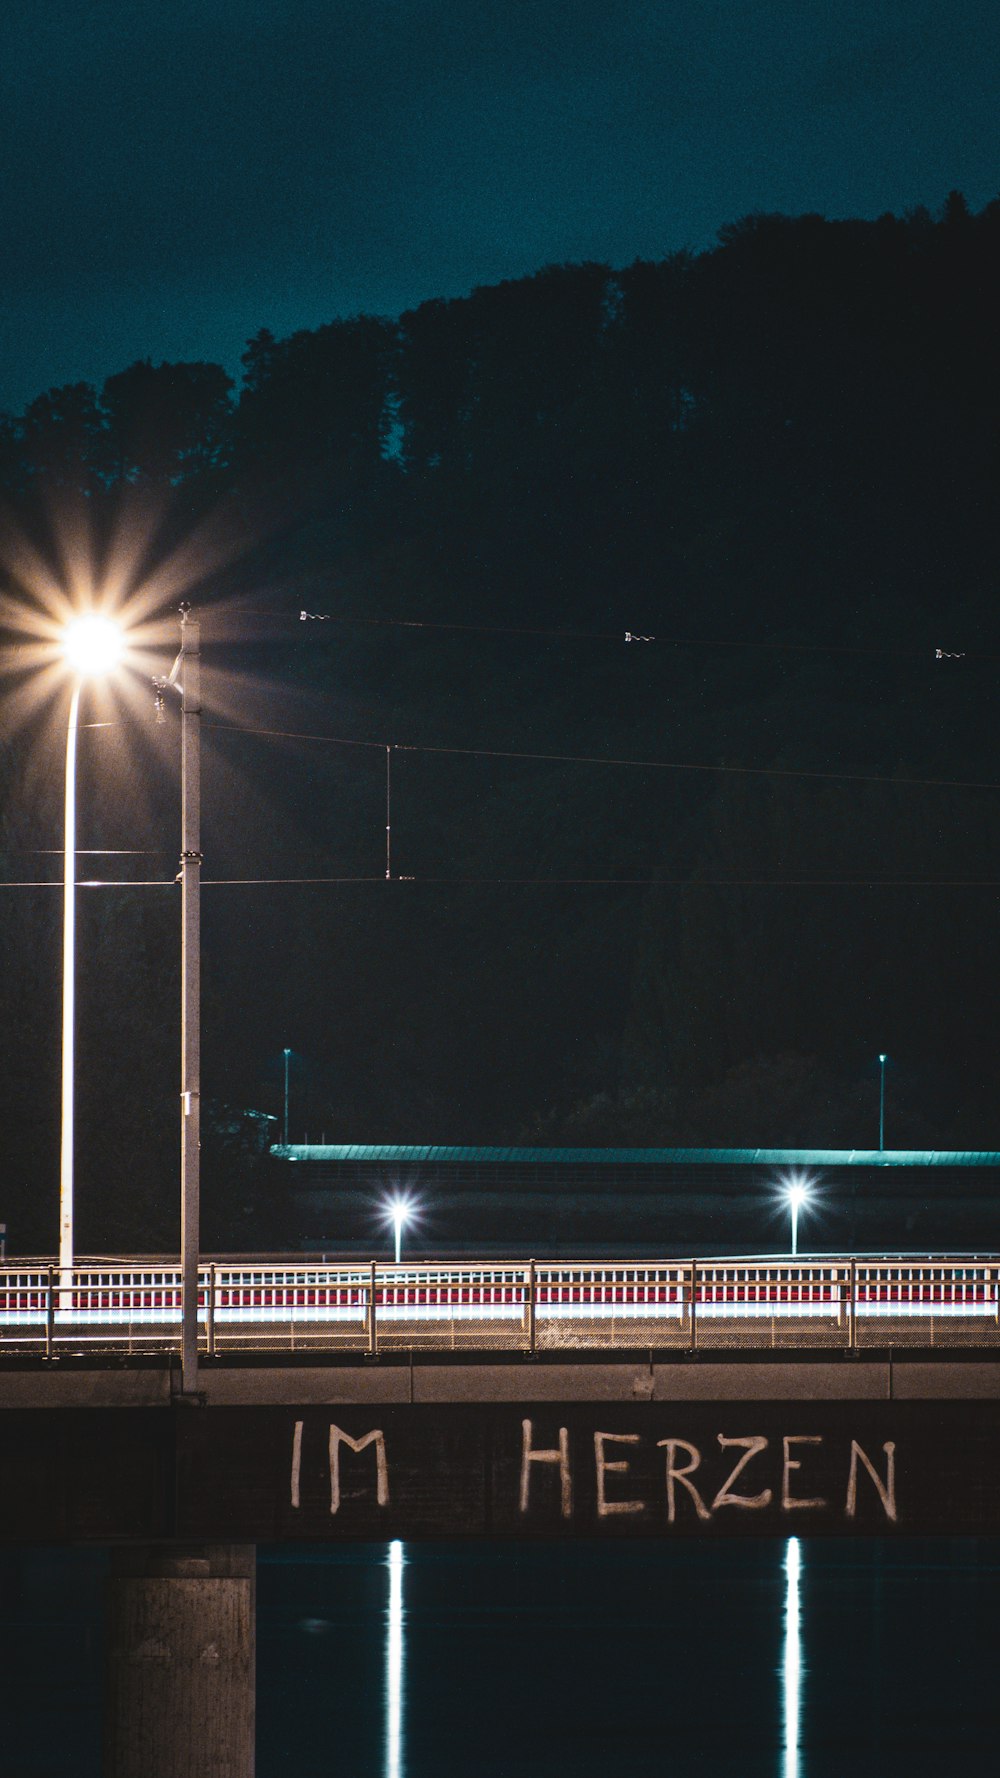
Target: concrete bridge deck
[428, 1378]
[426, 1445]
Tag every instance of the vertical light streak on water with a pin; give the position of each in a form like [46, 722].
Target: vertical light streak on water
[792, 1666]
[394, 1666]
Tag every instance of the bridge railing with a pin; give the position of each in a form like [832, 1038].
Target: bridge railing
[372, 1307]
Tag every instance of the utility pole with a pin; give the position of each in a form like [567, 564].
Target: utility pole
[188, 668]
[185, 677]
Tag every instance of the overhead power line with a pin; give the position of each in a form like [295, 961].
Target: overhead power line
[570, 634]
[486, 882]
[600, 759]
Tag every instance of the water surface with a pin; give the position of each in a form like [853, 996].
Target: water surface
[787, 1658]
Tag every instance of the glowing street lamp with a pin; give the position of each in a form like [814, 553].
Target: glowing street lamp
[288, 1057]
[797, 1195]
[92, 645]
[881, 1102]
[400, 1213]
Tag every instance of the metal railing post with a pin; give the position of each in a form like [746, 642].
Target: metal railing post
[531, 1307]
[694, 1299]
[853, 1310]
[372, 1329]
[210, 1313]
[50, 1312]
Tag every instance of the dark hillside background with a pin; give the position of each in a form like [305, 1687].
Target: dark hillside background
[779, 460]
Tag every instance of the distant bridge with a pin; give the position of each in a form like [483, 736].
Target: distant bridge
[623, 1202]
[694, 1305]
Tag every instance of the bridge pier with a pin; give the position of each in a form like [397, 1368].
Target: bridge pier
[181, 1646]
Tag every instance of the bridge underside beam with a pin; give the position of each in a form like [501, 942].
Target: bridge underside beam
[439, 1379]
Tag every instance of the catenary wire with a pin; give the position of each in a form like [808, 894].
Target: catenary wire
[541, 882]
[648, 765]
[629, 636]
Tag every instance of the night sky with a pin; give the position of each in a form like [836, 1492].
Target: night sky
[176, 177]
[772, 458]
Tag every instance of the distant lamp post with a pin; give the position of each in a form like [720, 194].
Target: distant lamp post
[288, 1057]
[400, 1213]
[797, 1196]
[881, 1101]
[92, 645]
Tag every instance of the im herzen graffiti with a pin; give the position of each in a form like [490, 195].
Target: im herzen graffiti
[744, 1473]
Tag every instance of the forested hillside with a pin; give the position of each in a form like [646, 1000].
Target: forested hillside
[777, 460]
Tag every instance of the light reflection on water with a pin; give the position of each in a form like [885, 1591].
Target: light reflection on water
[394, 1665]
[791, 1669]
[792, 1665]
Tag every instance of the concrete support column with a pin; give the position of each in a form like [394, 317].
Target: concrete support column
[181, 1645]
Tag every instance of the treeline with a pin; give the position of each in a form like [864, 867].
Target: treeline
[777, 458]
[805, 412]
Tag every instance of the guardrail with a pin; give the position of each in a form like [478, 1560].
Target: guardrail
[695, 1304]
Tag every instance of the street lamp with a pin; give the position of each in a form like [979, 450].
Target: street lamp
[288, 1055]
[400, 1213]
[92, 645]
[797, 1196]
[881, 1102]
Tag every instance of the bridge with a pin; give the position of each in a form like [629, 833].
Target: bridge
[890, 1362]
[833, 1394]
[627, 1202]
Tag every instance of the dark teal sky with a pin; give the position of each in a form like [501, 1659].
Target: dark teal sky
[177, 176]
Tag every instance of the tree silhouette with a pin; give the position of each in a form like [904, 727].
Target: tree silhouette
[166, 422]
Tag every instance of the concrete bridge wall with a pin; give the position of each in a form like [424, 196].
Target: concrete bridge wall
[518, 1449]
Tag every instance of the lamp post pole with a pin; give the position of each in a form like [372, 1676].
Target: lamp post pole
[797, 1195]
[68, 997]
[189, 673]
[287, 1056]
[91, 643]
[881, 1103]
